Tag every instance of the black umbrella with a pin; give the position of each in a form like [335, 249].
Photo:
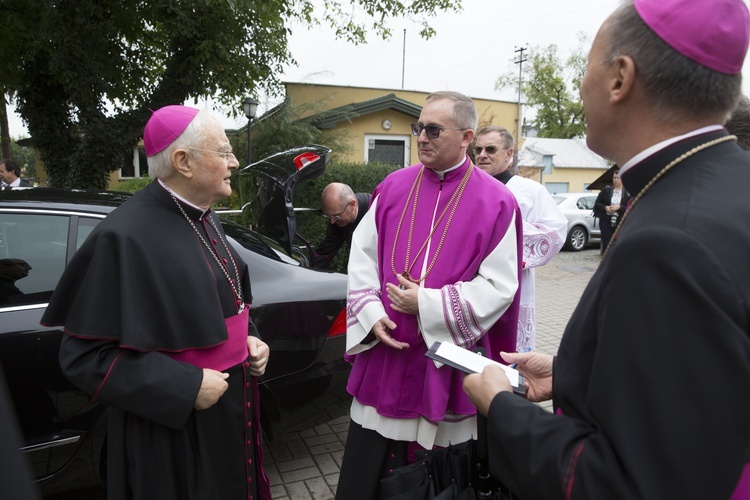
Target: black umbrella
[603, 180]
[457, 472]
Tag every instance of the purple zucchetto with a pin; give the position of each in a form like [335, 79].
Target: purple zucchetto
[713, 33]
[165, 125]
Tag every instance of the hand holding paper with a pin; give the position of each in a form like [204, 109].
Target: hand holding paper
[483, 387]
[536, 369]
[471, 362]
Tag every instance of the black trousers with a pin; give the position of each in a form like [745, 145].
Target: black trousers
[368, 457]
[606, 227]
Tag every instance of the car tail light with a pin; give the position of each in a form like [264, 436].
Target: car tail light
[304, 159]
[339, 325]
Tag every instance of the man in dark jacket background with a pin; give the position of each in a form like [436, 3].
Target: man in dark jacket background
[343, 209]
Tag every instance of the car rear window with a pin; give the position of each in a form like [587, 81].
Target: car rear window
[248, 239]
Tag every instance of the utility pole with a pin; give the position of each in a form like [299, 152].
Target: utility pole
[403, 62]
[520, 62]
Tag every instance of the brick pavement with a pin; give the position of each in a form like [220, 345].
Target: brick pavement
[306, 465]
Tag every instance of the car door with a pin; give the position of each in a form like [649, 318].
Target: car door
[54, 416]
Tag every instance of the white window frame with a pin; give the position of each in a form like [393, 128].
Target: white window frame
[136, 166]
[405, 138]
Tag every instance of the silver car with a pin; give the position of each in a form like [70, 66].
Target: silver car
[583, 227]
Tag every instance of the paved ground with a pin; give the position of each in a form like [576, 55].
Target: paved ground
[306, 465]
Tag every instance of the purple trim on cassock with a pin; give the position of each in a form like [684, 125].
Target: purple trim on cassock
[457, 314]
[105, 378]
[742, 490]
[405, 383]
[356, 300]
[224, 355]
[264, 485]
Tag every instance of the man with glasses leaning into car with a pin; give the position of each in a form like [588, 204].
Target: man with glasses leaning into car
[342, 221]
[435, 259]
[155, 307]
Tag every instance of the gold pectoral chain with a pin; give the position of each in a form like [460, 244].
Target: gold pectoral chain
[658, 176]
[451, 205]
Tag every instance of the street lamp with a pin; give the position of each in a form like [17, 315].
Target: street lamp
[249, 106]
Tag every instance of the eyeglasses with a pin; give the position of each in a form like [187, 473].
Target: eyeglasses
[491, 150]
[226, 153]
[338, 216]
[432, 131]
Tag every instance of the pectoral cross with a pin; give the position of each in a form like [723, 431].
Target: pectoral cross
[408, 277]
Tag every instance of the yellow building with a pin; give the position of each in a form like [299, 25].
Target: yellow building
[378, 121]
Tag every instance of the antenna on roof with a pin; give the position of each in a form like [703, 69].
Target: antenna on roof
[520, 62]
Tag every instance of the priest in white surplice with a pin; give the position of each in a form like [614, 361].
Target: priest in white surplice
[544, 225]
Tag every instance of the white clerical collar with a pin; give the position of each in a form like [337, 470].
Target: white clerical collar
[441, 173]
[186, 202]
[664, 144]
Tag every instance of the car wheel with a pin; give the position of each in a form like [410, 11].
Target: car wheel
[577, 239]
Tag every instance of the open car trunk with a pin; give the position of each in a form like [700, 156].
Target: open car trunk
[267, 186]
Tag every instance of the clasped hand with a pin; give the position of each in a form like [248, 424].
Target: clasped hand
[258, 356]
[214, 383]
[405, 297]
[610, 209]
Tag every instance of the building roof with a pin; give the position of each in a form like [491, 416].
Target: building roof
[329, 118]
[566, 153]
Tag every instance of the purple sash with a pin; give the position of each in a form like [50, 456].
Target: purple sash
[742, 490]
[224, 355]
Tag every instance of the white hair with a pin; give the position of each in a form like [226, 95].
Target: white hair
[160, 165]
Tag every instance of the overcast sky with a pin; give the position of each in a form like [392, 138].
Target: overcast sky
[470, 51]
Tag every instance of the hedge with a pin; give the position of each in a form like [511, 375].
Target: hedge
[362, 178]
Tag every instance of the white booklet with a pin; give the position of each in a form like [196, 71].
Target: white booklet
[472, 362]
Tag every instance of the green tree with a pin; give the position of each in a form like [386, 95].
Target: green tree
[551, 87]
[24, 156]
[84, 73]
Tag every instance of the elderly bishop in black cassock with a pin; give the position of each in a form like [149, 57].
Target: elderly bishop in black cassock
[155, 309]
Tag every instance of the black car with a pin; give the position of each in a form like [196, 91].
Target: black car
[300, 313]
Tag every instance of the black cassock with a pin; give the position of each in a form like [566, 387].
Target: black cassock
[141, 287]
[652, 376]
